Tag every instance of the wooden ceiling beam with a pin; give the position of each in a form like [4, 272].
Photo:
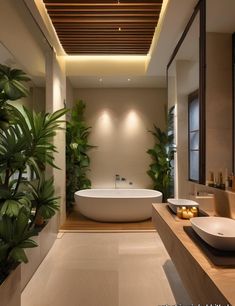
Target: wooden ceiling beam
[101, 32]
[105, 43]
[107, 37]
[103, 20]
[107, 48]
[91, 10]
[104, 26]
[105, 15]
[99, 26]
[87, 53]
[102, 4]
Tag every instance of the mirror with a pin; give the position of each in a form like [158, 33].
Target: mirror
[26, 51]
[183, 93]
[220, 25]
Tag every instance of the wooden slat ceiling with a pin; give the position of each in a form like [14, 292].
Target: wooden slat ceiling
[104, 26]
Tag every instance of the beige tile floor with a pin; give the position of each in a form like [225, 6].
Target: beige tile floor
[106, 269]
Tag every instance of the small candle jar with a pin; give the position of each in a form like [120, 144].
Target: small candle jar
[190, 214]
[185, 214]
[194, 210]
[179, 212]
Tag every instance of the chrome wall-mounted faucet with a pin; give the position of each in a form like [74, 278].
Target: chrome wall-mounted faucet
[117, 179]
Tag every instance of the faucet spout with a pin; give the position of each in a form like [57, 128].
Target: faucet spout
[117, 179]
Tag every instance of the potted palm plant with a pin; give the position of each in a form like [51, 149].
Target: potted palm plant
[162, 154]
[77, 147]
[25, 147]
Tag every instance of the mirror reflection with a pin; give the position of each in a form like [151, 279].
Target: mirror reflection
[220, 25]
[27, 51]
[183, 89]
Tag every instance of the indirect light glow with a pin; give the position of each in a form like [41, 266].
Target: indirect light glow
[50, 27]
[57, 95]
[127, 58]
[104, 125]
[132, 124]
[119, 29]
[105, 65]
[100, 79]
[128, 80]
[157, 32]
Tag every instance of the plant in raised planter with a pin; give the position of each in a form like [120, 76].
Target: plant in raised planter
[25, 144]
[162, 155]
[44, 201]
[77, 159]
[11, 88]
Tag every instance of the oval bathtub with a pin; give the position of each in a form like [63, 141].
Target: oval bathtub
[117, 205]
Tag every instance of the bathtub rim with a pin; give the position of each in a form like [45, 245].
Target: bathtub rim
[118, 196]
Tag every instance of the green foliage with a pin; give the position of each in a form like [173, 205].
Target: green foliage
[11, 85]
[162, 155]
[15, 234]
[11, 88]
[45, 203]
[77, 160]
[25, 146]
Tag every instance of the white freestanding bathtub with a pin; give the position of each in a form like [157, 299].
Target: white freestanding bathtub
[117, 205]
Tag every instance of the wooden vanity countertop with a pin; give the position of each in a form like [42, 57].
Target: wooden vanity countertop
[205, 282]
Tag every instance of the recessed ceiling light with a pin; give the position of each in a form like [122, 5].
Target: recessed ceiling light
[128, 80]
[100, 79]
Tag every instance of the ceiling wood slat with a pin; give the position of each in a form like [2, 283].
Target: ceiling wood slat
[104, 26]
[97, 10]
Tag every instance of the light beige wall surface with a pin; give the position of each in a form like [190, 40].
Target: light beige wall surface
[69, 94]
[120, 120]
[55, 97]
[187, 81]
[38, 98]
[219, 103]
[20, 35]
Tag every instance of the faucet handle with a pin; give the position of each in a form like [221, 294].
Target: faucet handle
[117, 177]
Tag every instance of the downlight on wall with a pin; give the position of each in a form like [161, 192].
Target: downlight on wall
[104, 123]
[131, 124]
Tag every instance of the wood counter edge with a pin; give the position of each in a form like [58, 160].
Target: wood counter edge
[192, 265]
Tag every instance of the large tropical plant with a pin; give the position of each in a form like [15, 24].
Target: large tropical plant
[162, 154]
[77, 159]
[11, 88]
[15, 234]
[25, 146]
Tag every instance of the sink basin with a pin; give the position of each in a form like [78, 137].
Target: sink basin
[174, 203]
[218, 232]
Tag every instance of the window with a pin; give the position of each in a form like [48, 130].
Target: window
[194, 136]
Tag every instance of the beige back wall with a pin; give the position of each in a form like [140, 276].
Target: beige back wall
[219, 112]
[120, 120]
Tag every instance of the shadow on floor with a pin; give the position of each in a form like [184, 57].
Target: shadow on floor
[180, 294]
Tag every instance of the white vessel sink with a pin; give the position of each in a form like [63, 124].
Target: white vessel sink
[218, 232]
[174, 203]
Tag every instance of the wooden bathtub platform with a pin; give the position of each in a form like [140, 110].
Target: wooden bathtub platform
[77, 222]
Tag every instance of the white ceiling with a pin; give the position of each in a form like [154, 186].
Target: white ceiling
[176, 17]
[24, 43]
[117, 82]
[150, 71]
